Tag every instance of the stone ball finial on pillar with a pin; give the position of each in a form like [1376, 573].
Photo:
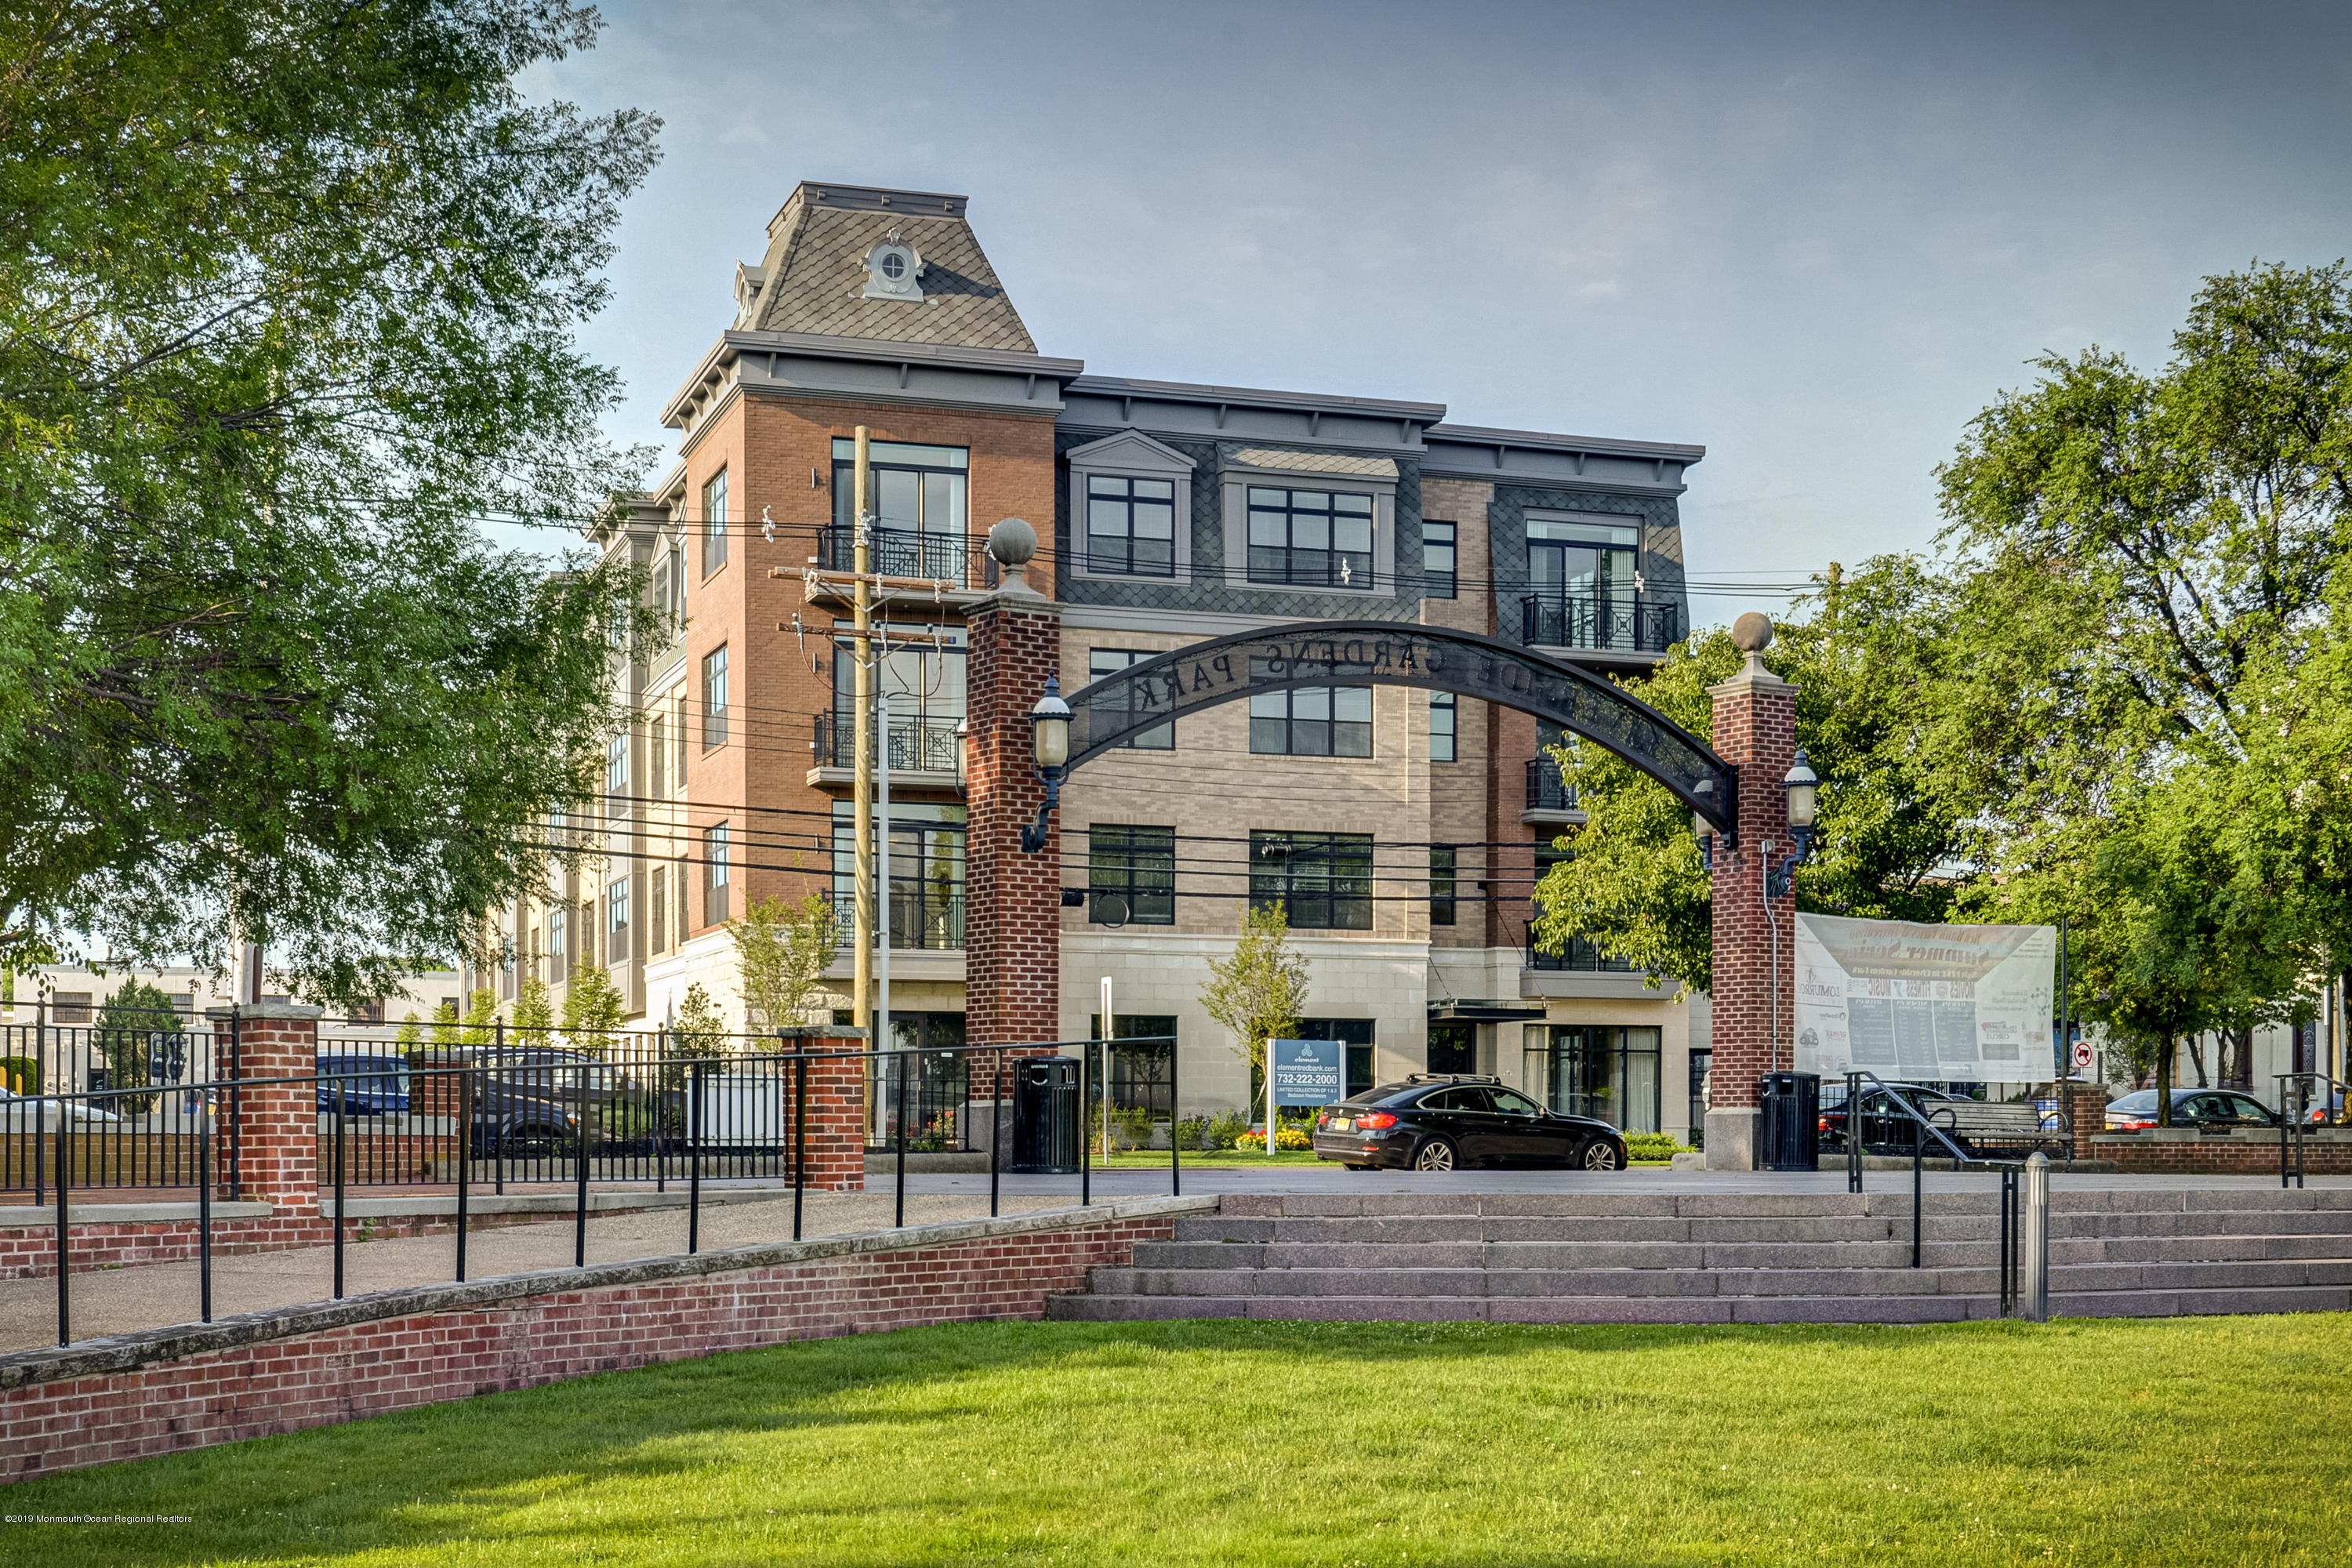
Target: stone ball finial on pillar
[1751, 634]
[1013, 543]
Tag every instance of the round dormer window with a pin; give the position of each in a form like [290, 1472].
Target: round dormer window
[894, 266]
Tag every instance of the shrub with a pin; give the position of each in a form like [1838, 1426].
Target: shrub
[1654, 1146]
[1225, 1129]
[21, 1074]
[1288, 1138]
[1192, 1133]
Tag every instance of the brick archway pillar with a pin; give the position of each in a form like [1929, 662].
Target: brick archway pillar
[1754, 729]
[1012, 918]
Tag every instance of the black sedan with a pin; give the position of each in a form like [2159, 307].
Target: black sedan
[1446, 1121]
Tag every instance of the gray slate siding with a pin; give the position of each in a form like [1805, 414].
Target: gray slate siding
[1207, 589]
[1660, 563]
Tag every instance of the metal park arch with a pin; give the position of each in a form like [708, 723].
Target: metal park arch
[1386, 653]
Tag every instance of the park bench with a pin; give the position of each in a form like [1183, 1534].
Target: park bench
[1983, 1126]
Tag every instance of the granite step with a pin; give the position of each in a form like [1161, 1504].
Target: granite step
[1662, 1308]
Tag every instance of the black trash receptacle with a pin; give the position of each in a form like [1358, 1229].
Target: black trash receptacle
[1792, 1115]
[1045, 1116]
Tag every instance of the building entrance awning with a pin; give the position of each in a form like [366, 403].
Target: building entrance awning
[1485, 1013]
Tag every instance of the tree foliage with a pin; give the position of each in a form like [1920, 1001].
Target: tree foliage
[287, 295]
[1260, 991]
[700, 1029]
[782, 949]
[1862, 661]
[593, 1008]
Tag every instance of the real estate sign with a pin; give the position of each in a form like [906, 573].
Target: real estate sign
[1308, 1072]
[1933, 1002]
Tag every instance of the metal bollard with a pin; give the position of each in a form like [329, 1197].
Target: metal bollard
[2035, 1266]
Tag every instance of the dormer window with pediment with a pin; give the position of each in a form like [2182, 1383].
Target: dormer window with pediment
[1130, 509]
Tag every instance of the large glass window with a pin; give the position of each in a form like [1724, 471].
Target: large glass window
[1355, 1035]
[714, 523]
[558, 945]
[1441, 885]
[923, 672]
[1102, 661]
[1314, 539]
[715, 846]
[1438, 578]
[1312, 722]
[1323, 879]
[1130, 875]
[657, 905]
[616, 921]
[1445, 720]
[1131, 526]
[927, 874]
[714, 699]
[920, 506]
[1604, 1070]
[1582, 578]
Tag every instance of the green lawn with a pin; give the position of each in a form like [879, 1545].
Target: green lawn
[2214, 1440]
[1219, 1159]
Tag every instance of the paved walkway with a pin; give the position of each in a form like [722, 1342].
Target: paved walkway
[115, 1301]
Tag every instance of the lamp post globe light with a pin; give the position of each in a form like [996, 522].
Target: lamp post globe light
[1803, 786]
[1049, 735]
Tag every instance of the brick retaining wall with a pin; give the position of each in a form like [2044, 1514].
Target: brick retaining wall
[285, 1370]
[2144, 1154]
[30, 1251]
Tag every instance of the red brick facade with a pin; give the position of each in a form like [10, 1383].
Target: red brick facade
[59, 1410]
[1012, 933]
[273, 1127]
[2139, 1153]
[2086, 1113]
[1756, 729]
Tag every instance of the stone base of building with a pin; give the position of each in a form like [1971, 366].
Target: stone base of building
[1732, 1137]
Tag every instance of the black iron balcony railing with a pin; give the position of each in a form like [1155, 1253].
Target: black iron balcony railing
[1621, 623]
[917, 745]
[928, 920]
[1581, 958]
[959, 560]
[1547, 791]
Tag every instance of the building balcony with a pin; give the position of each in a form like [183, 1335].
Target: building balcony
[948, 569]
[925, 919]
[922, 751]
[1580, 957]
[1551, 800]
[1598, 621]
[1583, 971]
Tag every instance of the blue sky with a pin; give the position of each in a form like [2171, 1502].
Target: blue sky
[1814, 239]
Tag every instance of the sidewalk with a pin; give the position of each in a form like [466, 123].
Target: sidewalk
[115, 1301]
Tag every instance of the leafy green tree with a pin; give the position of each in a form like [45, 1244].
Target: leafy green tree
[288, 290]
[1864, 653]
[534, 1014]
[592, 1008]
[2150, 568]
[700, 1029]
[481, 1023]
[411, 1036]
[1260, 991]
[133, 1023]
[444, 1031]
[782, 951]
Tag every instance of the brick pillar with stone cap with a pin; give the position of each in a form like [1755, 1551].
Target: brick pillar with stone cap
[271, 1129]
[1012, 924]
[1755, 730]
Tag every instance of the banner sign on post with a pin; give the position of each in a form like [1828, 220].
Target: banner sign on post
[1936, 1002]
[1308, 1072]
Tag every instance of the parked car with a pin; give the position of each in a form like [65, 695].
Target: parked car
[19, 1108]
[2191, 1108]
[548, 1071]
[1884, 1129]
[1444, 1122]
[514, 1126]
[377, 1086]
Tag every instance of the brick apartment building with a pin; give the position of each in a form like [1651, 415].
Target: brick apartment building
[1403, 830]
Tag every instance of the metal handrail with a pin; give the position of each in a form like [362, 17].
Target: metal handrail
[2012, 1230]
[2299, 1121]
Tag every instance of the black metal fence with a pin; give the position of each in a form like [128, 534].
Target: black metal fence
[715, 1124]
[959, 560]
[1547, 791]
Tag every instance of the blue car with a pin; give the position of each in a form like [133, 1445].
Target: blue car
[378, 1086]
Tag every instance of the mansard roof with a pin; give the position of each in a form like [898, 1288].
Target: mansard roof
[812, 280]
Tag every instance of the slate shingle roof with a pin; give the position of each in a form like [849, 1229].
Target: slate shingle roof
[816, 280]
